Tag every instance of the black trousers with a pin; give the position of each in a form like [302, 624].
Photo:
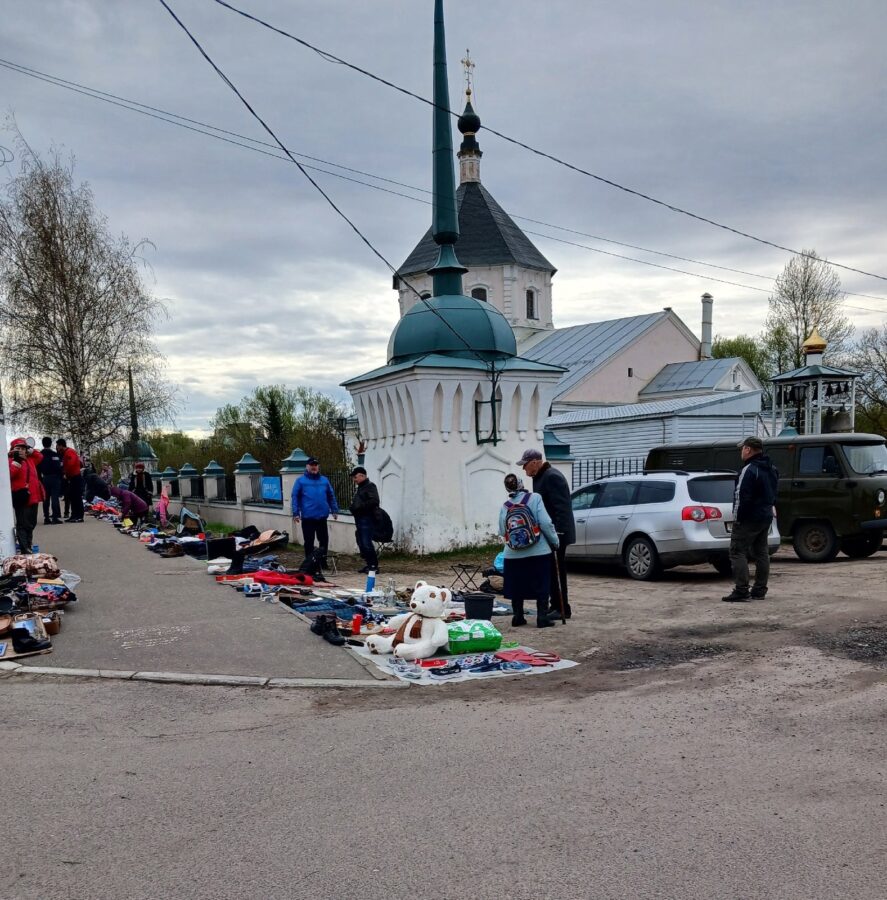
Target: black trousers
[53, 486]
[316, 528]
[559, 577]
[25, 523]
[74, 496]
[748, 541]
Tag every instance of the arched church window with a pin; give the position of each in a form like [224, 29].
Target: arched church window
[479, 293]
[532, 312]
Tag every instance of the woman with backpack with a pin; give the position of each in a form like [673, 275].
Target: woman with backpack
[530, 537]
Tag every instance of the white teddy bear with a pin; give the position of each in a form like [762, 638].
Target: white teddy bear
[420, 632]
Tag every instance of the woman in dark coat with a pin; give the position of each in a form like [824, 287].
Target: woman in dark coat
[141, 485]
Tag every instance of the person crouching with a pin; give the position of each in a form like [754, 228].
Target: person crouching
[131, 506]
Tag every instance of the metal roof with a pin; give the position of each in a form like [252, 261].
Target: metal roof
[584, 348]
[488, 236]
[808, 373]
[650, 409]
[697, 375]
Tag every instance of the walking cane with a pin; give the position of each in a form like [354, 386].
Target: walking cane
[560, 595]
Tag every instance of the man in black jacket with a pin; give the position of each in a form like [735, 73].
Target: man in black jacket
[50, 471]
[752, 516]
[363, 508]
[552, 487]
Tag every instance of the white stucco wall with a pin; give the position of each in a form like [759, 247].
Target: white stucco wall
[506, 288]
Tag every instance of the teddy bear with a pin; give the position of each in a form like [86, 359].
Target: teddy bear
[420, 632]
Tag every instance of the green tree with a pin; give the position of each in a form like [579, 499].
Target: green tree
[807, 295]
[869, 358]
[751, 349]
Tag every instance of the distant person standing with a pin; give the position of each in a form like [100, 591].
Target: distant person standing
[554, 490]
[107, 474]
[72, 469]
[27, 491]
[313, 502]
[364, 507]
[50, 469]
[753, 511]
[141, 484]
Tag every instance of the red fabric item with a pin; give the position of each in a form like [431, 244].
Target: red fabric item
[265, 577]
[532, 657]
[71, 464]
[24, 475]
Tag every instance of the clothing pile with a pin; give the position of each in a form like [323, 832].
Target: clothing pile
[34, 592]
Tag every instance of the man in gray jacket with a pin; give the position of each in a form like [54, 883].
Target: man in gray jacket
[552, 487]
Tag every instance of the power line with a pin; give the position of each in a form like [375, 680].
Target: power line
[330, 57]
[319, 189]
[229, 136]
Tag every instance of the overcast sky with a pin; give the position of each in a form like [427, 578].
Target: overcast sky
[766, 116]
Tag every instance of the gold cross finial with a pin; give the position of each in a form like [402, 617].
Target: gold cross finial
[468, 65]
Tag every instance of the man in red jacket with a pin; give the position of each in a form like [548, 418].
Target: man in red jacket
[27, 491]
[72, 470]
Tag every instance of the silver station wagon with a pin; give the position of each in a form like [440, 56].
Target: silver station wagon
[656, 521]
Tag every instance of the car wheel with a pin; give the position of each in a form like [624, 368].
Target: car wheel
[861, 547]
[641, 559]
[815, 542]
[723, 567]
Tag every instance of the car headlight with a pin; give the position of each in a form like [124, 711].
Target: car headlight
[880, 497]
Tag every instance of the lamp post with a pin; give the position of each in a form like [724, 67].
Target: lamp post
[340, 423]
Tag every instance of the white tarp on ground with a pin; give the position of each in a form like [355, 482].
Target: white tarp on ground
[384, 663]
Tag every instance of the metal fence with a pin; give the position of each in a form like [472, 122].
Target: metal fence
[585, 470]
[343, 487]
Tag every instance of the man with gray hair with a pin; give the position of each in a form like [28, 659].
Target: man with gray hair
[552, 487]
[753, 511]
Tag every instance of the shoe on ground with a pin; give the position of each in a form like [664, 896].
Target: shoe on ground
[544, 622]
[517, 621]
[320, 623]
[73, 521]
[758, 593]
[737, 596]
[47, 521]
[57, 522]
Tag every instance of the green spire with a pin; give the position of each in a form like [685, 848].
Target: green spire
[447, 271]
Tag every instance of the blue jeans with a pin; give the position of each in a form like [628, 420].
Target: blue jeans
[366, 548]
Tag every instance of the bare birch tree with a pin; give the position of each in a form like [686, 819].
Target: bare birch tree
[74, 313]
[807, 294]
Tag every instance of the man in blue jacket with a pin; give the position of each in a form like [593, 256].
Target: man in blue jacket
[313, 502]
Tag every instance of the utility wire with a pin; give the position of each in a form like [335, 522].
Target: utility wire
[229, 136]
[487, 363]
[330, 57]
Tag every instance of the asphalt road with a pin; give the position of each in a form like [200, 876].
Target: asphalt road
[737, 777]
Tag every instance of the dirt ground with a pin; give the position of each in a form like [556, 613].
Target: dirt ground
[625, 632]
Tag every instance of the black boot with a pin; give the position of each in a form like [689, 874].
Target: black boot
[542, 617]
[738, 595]
[518, 618]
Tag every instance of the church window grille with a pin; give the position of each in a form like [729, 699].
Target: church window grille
[532, 312]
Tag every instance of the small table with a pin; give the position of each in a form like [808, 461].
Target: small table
[465, 577]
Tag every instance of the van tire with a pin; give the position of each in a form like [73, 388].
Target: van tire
[641, 559]
[861, 546]
[815, 542]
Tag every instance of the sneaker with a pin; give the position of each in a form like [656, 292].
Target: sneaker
[47, 521]
[57, 522]
[737, 596]
[758, 593]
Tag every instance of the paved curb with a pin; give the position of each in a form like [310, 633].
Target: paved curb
[13, 668]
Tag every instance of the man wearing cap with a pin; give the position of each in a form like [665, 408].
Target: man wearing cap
[552, 487]
[753, 513]
[27, 490]
[364, 507]
[313, 501]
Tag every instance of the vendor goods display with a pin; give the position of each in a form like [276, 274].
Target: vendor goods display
[473, 636]
[420, 632]
[35, 565]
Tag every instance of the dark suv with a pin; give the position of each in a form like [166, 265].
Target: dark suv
[832, 487]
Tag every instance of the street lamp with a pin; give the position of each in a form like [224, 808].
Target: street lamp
[340, 424]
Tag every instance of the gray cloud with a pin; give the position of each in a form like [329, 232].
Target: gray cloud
[768, 117]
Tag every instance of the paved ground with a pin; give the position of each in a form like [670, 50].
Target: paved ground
[139, 611]
[701, 750]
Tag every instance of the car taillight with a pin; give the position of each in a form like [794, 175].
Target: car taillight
[700, 513]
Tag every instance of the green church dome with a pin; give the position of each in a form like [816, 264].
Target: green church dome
[475, 323]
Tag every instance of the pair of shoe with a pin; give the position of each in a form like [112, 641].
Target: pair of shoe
[325, 626]
[73, 521]
[737, 595]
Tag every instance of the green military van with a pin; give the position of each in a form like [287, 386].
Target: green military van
[832, 487]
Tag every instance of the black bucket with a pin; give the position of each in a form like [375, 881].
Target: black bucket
[479, 606]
